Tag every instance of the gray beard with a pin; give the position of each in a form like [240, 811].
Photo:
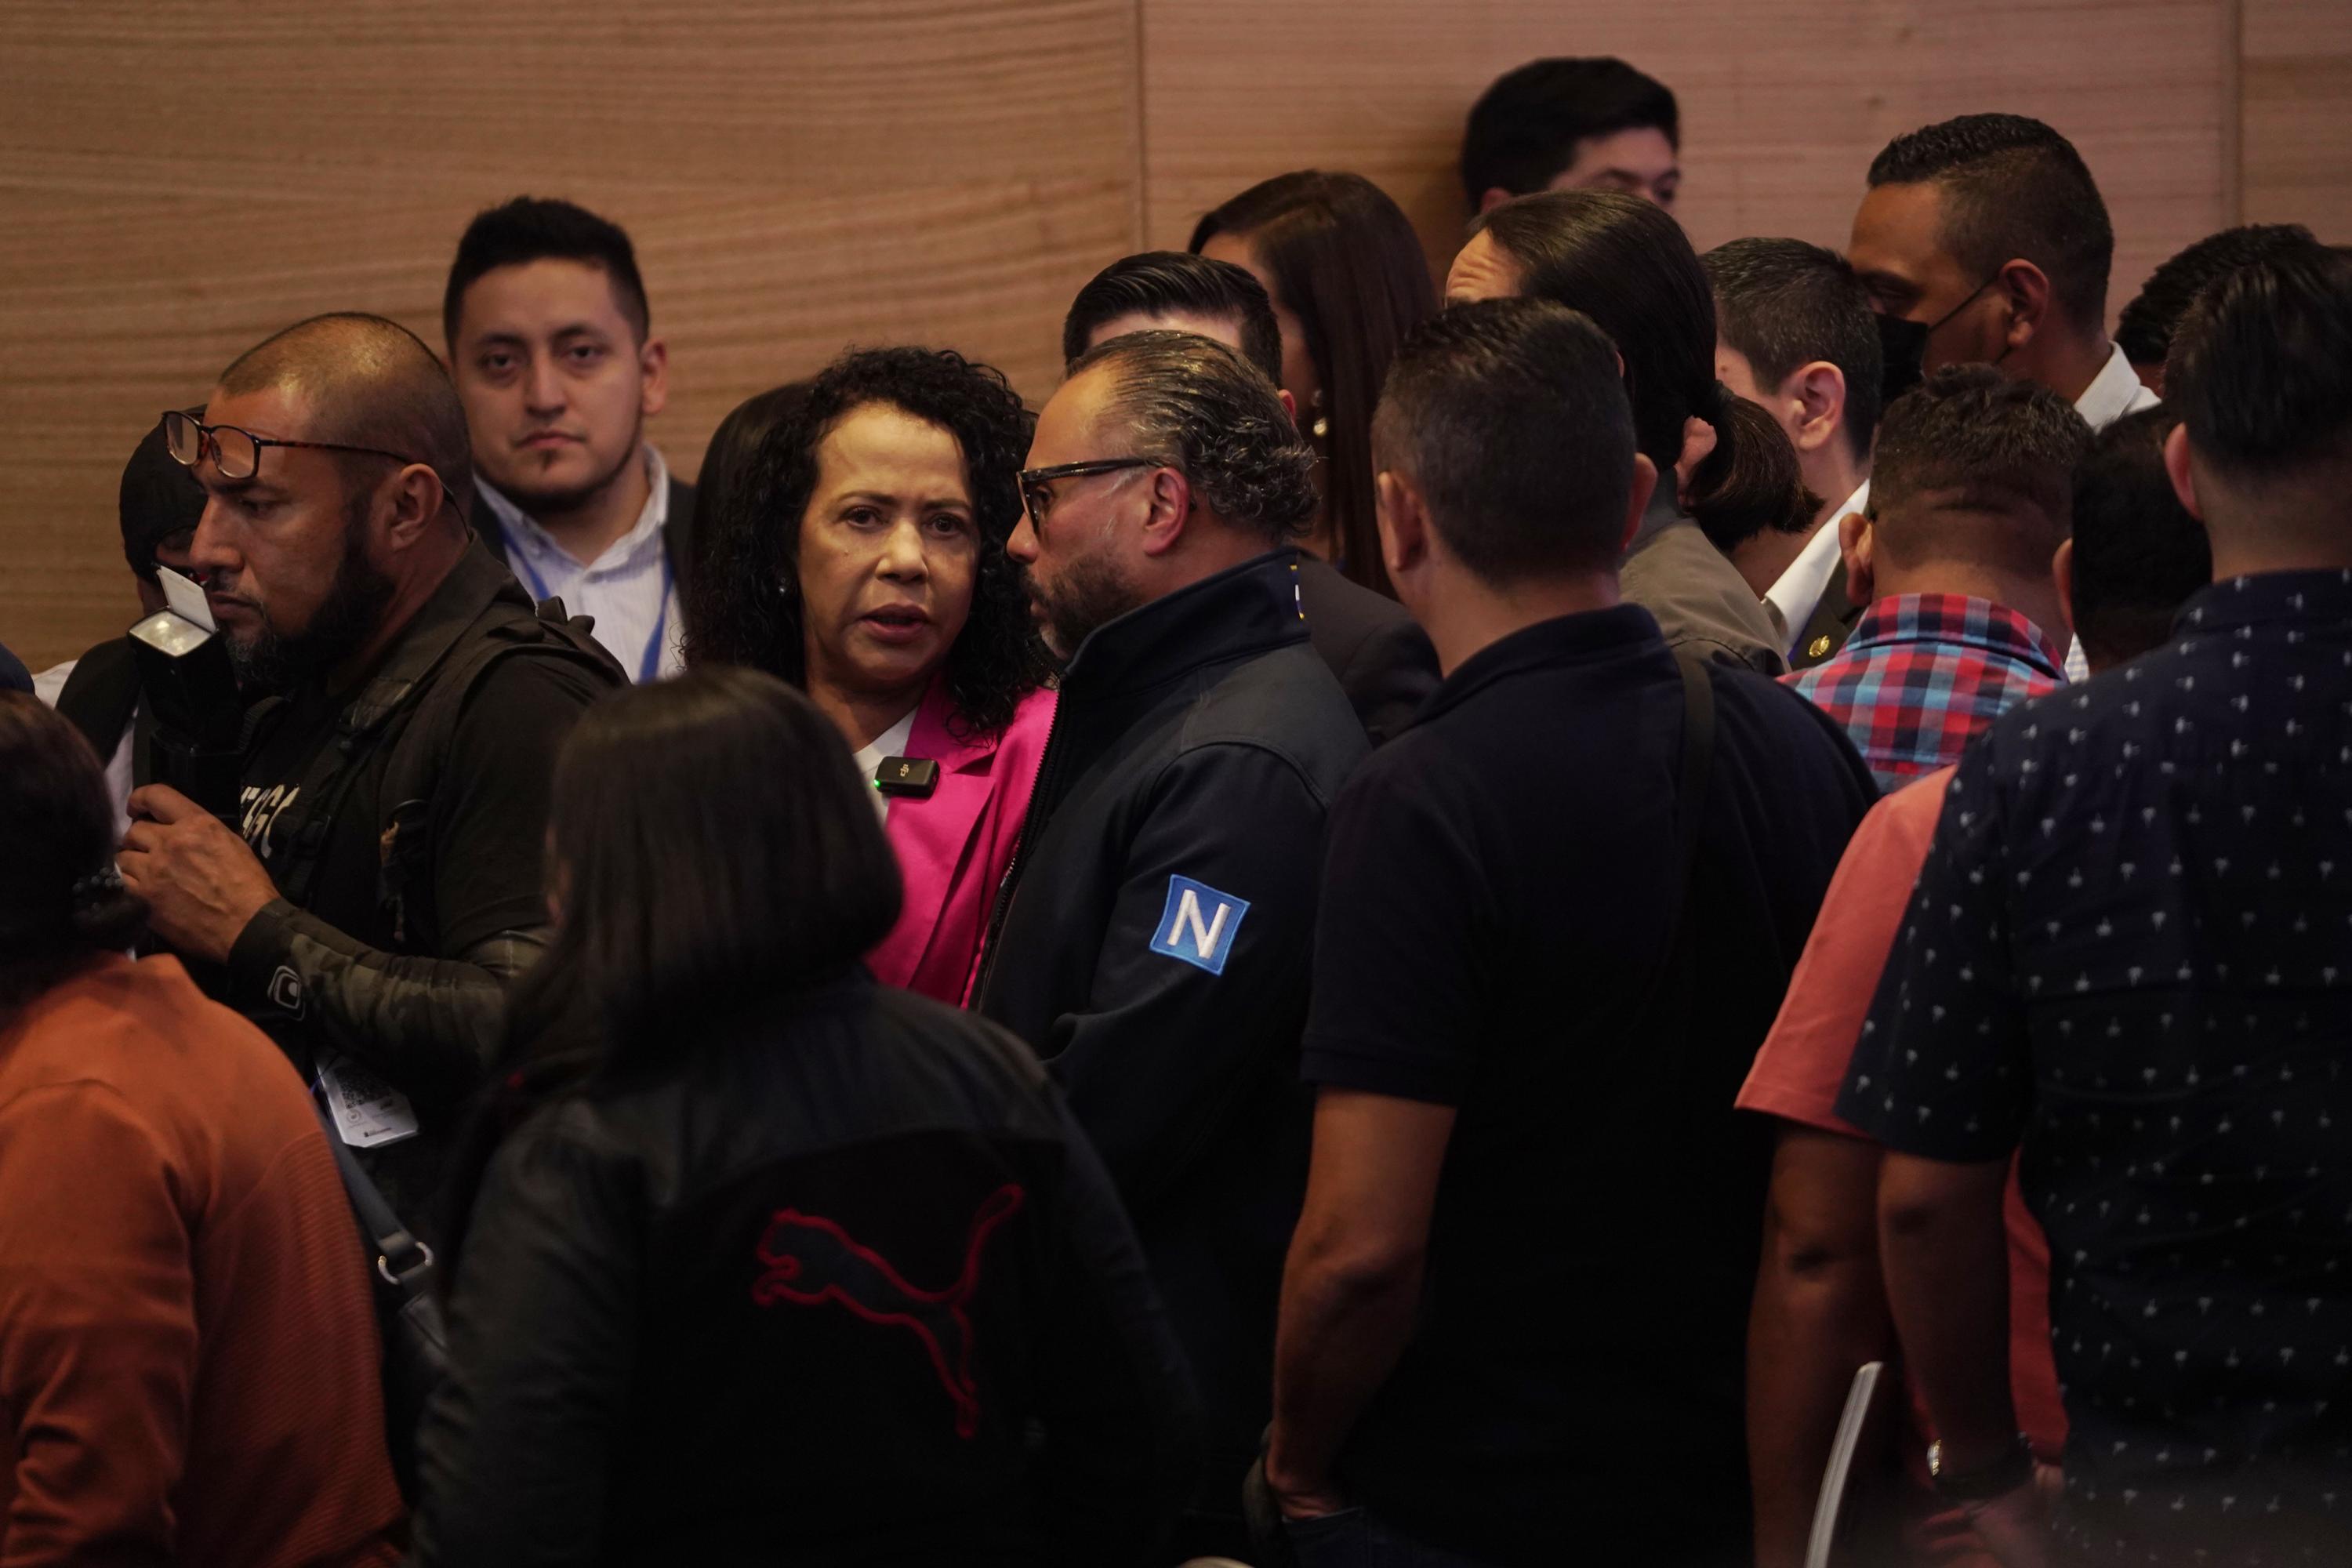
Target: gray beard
[1091, 594]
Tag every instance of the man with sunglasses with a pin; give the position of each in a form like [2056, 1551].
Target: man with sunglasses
[1151, 942]
[100, 693]
[383, 878]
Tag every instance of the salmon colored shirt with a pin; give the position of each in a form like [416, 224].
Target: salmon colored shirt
[1803, 1066]
[188, 1357]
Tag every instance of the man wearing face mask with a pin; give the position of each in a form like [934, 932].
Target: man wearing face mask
[1983, 240]
[387, 878]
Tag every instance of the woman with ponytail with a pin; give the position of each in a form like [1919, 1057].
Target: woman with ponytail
[1627, 265]
[187, 1344]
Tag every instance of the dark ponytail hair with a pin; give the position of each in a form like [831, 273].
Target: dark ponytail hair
[1628, 265]
[62, 903]
[1750, 483]
[681, 917]
[1347, 262]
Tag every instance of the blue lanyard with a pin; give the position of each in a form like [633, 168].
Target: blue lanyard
[647, 667]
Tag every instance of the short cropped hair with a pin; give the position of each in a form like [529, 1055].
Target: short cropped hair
[2144, 332]
[1160, 283]
[1523, 128]
[2138, 554]
[2014, 188]
[530, 228]
[369, 383]
[2258, 369]
[1970, 439]
[1783, 303]
[1198, 406]
[1510, 417]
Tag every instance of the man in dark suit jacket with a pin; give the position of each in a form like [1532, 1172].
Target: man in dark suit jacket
[1371, 643]
[551, 344]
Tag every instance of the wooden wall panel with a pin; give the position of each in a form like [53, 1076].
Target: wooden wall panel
[2296, 100]
[181, 179]
[1783, 106]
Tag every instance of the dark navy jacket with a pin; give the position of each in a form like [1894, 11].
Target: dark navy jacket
[1154, 938]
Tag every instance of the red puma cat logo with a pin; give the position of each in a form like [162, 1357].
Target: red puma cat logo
[810, 1260]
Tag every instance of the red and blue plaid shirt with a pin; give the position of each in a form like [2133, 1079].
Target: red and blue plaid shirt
[1923, 673]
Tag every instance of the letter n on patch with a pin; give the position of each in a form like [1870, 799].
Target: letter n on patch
[1198, 924]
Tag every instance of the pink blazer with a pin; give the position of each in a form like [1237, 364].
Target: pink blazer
[955, 844]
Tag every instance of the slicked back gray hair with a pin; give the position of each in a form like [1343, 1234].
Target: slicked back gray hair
[1198, 406]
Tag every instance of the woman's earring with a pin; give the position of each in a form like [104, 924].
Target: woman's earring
[1322, 426]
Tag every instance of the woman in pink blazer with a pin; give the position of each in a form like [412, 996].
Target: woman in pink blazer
[850, 538]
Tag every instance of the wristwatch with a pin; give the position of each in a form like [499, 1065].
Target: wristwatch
[2004, 1474]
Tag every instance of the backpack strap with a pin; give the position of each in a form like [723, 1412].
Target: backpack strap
[421, 753]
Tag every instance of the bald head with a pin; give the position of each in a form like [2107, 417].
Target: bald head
[366, 382]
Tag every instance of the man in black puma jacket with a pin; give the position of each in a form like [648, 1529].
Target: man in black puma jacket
[1151, 940]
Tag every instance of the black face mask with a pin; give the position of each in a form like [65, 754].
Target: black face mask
[1901, 346]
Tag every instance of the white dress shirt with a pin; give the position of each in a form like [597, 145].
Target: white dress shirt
[628, 589]
[1798, 592]
[2115, 392]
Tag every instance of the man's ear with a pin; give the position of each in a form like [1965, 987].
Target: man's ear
[1402, 518]
[1289, 404]
[1495, 196]
[2026, 289]
[1857, 543]
[1172, 505]
[2062, 576]
[2177, 468]
[414, 497]
[1637, 500]
[652, 366]
[1817, 391]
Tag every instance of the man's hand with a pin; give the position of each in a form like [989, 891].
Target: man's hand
[1301, 1498]
[201, 882]
[2016, 1525]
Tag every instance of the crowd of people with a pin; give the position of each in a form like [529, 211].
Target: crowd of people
[1401, 928]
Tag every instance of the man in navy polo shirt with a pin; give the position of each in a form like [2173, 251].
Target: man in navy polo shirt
[1558, 915]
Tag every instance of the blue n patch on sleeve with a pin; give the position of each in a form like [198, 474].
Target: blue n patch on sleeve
[1198, 924]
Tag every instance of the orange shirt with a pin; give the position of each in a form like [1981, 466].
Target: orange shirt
[1802, 1065]
[188, 1357]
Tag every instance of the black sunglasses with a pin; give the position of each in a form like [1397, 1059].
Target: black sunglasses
[1037, 484]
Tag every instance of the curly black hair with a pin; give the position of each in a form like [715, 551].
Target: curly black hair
[743, 604]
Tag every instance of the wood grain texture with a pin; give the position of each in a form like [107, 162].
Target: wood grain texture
[180, 180]
[1783, 106]
[2295, 96]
